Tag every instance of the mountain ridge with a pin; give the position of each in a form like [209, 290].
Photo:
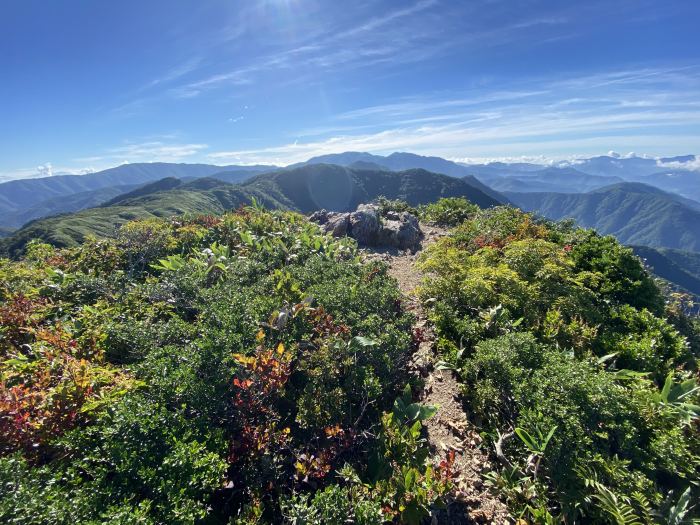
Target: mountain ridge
[681, 268]
[18, 196]
[635, 213]
[303, 189]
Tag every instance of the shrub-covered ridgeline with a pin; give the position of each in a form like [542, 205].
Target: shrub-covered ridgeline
[573, 363]
[248, 369]
[233, 369]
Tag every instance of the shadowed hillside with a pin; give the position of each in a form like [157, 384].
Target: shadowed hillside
[681, 268]
[304, 189]
[27, 199]
[312, 187]
[635, 213]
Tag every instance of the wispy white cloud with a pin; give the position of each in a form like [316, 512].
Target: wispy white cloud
[573, 113]
[392, 38]
[326, 51]
[158, 151]
[420, 105]
[146, 151]
[691, 164]
[404, 34]
[663, 76]
[378, 22]
[175, 73]
[44, 170]
[148, 93]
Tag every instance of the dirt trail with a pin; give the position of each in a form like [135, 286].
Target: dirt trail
[449, 430]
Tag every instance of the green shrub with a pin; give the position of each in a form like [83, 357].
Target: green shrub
[617, 273]
[396, 206]
[218, 357]
[139, 459]
[447, 212]
[560, 332]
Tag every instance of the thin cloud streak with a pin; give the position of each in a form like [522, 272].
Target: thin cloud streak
[588, 111]
[363, 46]
[150, 151]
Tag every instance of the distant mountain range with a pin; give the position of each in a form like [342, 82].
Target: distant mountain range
[62, 204]
[304, 188]
[403, 161]
[585, 175]
[631, 167]
[27, 199]
[682, 182]
[635, 213]
[653, 204]
[563, 180]
[395, 162]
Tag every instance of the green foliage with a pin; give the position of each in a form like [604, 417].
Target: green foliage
[137, 457]
[177, 372]
[643, 342]
[562, 339]
[396, 206]
[448, 211]
[617, 272]
[398, 484]
[537, 443]
[635, 213]
[679, 396]
[333, 505]
[245, 369]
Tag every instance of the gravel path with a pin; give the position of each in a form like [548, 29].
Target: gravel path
[450, 429]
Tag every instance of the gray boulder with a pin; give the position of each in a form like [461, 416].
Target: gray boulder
[403, 232]
[365, 225]
[335, 223]
[368, 228]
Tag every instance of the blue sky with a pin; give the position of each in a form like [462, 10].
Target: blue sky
[87, 85]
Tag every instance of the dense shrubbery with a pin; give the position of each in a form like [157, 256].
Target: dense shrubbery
[247, 369]
[449, 211]
[574, 365]
[231, 369]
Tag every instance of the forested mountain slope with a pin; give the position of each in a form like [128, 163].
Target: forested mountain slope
[26, 199]
[304, 189]
[315, 186]
[635, 213]
[682, 182]
[63, 204]
[681, 268]
[72, 229]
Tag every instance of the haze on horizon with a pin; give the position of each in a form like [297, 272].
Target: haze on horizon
[92, 85]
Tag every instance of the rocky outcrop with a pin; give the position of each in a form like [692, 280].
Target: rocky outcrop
[369, 228]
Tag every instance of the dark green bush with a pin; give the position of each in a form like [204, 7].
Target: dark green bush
[231, 363]
[447, 212]
[562, 343]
